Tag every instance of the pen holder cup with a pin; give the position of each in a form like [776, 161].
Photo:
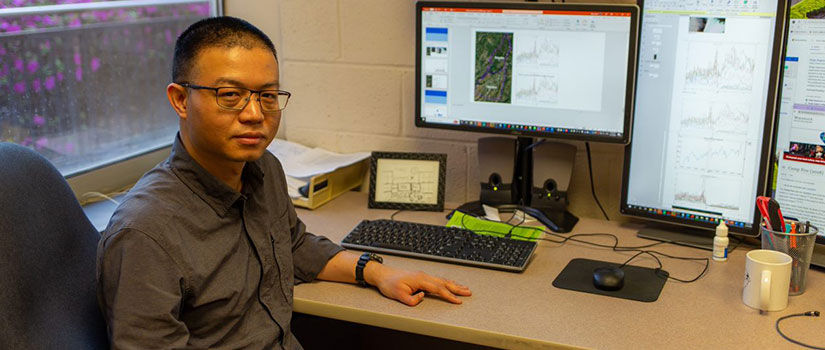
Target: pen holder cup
[799, 246]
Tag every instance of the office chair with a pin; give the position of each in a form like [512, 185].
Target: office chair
[47, 259]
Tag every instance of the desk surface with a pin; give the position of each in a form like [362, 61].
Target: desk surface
[524, 310]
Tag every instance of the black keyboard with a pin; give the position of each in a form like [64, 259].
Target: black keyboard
[448, 244]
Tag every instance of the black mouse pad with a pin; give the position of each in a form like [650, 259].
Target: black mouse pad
[640, 283]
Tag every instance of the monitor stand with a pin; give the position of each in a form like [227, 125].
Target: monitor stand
[541, 194]
[702, 239]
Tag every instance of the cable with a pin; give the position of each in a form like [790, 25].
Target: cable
[738, 242]
[535, 144]
[615, 246]
[85, 198]
[91, 197]
[509, 233]
[637, 254]
[512, 227]
[593, 187]
[745, 234]
[565, 238]
[809, 313]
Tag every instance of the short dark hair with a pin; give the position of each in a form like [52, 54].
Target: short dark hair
[222, 31]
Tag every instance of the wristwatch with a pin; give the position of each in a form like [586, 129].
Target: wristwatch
[362, 262]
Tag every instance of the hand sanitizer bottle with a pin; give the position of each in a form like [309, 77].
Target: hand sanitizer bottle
[720, 242]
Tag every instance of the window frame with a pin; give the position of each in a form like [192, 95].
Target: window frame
[120, 172]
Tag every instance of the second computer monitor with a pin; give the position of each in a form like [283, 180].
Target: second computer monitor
[547, 70]
[704, 101]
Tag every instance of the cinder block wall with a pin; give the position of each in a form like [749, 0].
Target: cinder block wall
[350, 66]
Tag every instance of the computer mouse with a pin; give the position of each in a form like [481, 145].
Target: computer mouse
[608, 278]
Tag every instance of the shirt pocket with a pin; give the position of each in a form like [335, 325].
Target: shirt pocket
[281, 239]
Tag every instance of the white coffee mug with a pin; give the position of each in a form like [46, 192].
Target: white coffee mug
[767, 277]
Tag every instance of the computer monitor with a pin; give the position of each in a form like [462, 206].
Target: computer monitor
[798, 164]
[705, 98]
[563, 71]
[545, 70]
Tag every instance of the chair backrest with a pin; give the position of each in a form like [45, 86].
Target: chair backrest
[47, 259]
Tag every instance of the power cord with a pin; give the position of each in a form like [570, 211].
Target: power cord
[592, 186]
[92, 196]
[809, 313]
[88, 197]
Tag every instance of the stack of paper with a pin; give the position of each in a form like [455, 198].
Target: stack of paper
[302, 163]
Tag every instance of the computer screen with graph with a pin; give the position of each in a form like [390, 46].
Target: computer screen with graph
[549, 70]
[799, 151]
[705, 96]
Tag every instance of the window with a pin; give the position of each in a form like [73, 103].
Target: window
[83, 82]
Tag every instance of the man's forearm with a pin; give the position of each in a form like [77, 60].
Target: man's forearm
[341, 268]
[405, 286]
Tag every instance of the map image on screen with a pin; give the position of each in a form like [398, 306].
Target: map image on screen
[807, 9]
[493, 67]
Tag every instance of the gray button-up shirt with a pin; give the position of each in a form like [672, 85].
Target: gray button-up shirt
[187, 262]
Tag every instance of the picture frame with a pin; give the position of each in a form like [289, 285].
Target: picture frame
[407, 181]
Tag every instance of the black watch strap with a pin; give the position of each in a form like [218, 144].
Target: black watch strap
[362, 262]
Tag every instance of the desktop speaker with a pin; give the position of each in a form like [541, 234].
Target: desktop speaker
[552, 170]
[496, 166]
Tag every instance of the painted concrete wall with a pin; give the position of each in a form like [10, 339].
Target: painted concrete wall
[350, 67]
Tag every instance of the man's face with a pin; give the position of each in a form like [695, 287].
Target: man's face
[217, 134]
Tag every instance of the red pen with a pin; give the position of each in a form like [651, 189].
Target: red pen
[793, 238]
[762, 205]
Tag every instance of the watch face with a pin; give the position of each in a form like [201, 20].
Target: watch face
[376, 257]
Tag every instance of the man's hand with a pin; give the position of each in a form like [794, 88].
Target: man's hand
[405, 286]
[410, 287]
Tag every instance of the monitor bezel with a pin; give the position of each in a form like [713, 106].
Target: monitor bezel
[631, 69]
[820, 238]
[773, 87]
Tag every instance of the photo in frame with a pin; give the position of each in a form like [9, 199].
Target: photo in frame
[407, 181]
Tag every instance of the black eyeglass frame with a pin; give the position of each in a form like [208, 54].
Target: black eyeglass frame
[251, 92]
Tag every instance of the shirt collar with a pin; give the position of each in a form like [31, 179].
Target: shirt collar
[219, 196]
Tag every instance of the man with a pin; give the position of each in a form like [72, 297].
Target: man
[204, 250]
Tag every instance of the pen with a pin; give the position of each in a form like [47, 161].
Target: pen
[793, 230]
[762, 205]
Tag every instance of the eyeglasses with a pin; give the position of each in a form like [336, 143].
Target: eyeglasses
[236, 98]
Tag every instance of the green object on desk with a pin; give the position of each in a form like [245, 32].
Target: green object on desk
[493, 228]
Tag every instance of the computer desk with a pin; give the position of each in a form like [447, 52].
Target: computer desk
[524, 310]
